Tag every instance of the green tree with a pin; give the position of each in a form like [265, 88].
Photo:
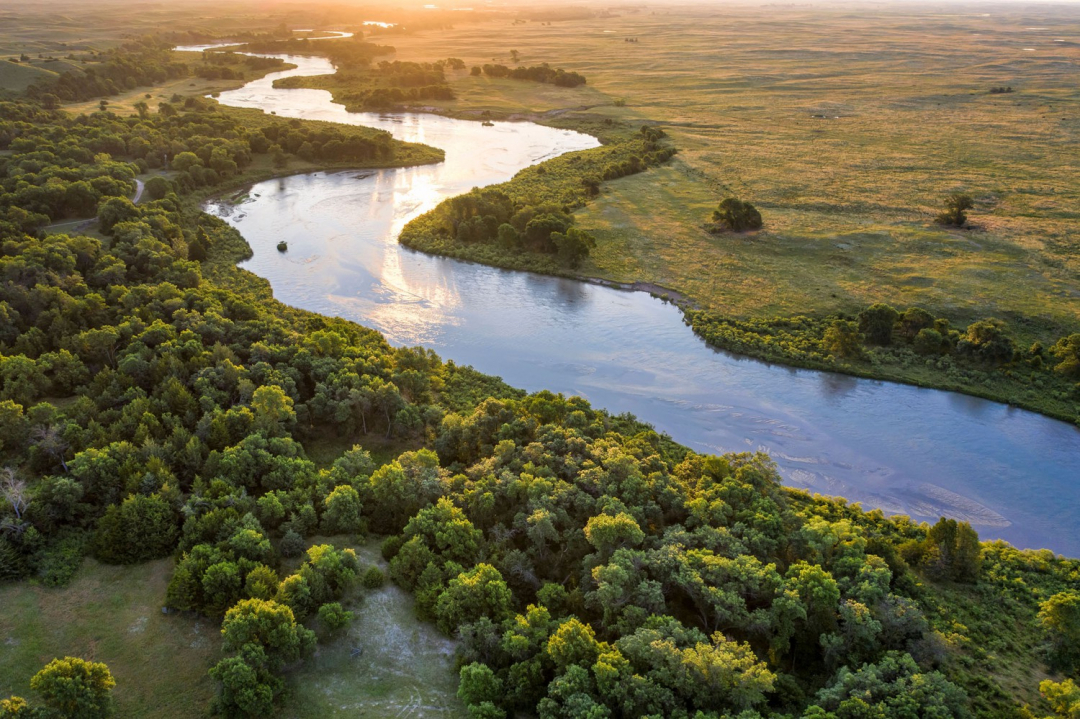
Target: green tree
[141, 528]
[75, 689]
[269, 625]
[1060, 618]
[573, 246]
[334, 617]
[1067, 350]
[607, 533]
[273, 410]
[480, 688]
[1063, 696]
[479, 592]
[877, 321]
[184, 161]
[737, 216]
[157, 187]
[953, 551]
[893, 687]
[342, 511]
[248, 688]
[842, 339]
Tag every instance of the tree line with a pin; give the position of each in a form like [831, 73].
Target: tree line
[536, 73]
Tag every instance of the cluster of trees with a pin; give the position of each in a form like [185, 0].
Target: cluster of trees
[490, 216]
[537, 73]
[234, 65]
[531, 216]
[389, 85]
[146, 61]
[593, 573]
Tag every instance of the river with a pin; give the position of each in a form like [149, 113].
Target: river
[1013, 474]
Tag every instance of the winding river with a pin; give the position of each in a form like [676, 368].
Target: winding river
[1013, 474]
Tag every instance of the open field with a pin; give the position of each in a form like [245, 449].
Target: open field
[845, 130]
[112, 615]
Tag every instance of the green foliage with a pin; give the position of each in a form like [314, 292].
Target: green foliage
[924, 350]
[333, 617]
[74, 688]
[139, 529]
[737, 216]
[373, 578]
[842, 339]
[1060, 619]
[1064, 697]
[537, 73]
[342, 513]
[470, 596]
[955, 213]
[876, 323]
[895, 686]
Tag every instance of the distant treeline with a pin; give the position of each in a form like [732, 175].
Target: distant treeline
[234, 65]
[343, 53]
[537, 73]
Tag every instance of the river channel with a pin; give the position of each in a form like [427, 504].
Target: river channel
[1013, 474]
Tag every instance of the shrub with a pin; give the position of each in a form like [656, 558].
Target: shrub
[292, 544]
[373, 578]
[955, 212]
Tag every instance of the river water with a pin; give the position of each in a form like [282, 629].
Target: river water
[1013, 474]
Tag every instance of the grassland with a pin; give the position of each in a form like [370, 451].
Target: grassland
[845, 129]
[112, 615]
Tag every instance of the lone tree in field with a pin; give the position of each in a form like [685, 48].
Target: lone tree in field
[738, 216]
[956, 206]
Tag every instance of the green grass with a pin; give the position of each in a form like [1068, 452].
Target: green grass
[17, 76]
[405, 667]
[112, 615]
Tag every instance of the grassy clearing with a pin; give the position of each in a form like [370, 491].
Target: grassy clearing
[405, 667]
[323, 451]
[112, 615]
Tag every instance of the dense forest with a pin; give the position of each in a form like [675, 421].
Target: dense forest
[156, 402]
